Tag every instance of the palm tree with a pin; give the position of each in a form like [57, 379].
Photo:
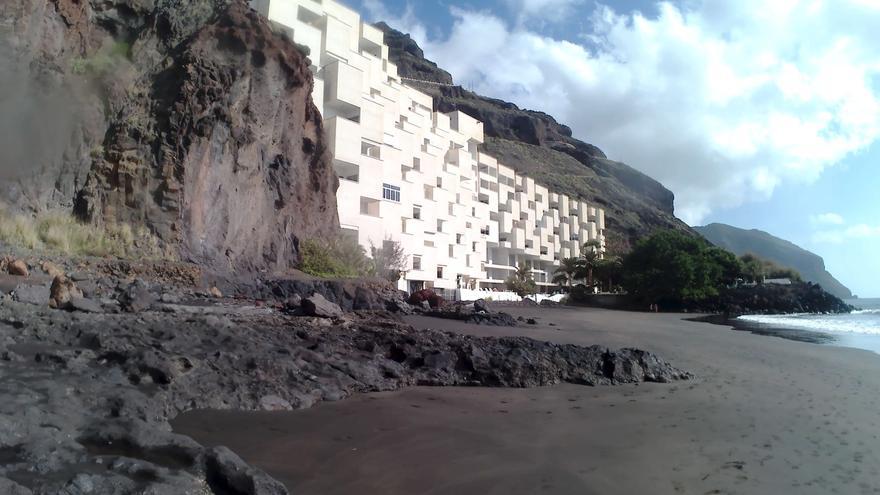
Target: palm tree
[567, 271]
[609, 269]
[522, 281]
[590, 258]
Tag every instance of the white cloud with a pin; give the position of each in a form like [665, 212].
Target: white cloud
[543, 10]
[720, 101]
[860, 231]
[827, 219]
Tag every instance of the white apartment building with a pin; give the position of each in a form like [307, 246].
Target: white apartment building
[416, 176]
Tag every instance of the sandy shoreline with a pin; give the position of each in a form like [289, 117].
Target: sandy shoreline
[765, 415]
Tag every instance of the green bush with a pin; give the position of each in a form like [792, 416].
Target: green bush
[340, 257]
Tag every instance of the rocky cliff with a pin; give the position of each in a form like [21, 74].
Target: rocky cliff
[779, 251]
[191, 118]
[533, 143]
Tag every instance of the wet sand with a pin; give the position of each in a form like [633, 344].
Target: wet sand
[765, 415]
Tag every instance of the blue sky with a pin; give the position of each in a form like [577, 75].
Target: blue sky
[756, 114]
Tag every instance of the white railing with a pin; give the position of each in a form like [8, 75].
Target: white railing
[501, 296]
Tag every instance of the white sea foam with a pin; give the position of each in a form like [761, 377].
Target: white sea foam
[863, 322]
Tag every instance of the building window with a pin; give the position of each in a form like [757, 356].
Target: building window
[440, 271]
[417, 263]
[474, 247]
[439, 225]
[429, 244]
[451, 251]
[440, 182]
[451, 210]
[417, 164]
[458, 238]
[391, 193]
[417, 212]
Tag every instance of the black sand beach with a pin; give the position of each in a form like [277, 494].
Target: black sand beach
[765, 415]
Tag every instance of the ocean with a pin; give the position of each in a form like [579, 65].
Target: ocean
[860, 329]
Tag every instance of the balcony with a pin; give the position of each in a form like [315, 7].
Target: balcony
[342, 88]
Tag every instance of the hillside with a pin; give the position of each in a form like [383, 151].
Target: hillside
[534, 144]
[191, 119]
[779, 251]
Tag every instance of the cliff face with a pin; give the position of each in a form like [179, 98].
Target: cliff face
[533, 143]
[779, 251]
[192, 118]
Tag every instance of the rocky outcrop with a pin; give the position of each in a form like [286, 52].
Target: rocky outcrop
[98, 389]
[193, 119]
[799, 297]
[534, 144]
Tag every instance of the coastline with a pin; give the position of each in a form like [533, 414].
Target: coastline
[852, 340]
[762, 416]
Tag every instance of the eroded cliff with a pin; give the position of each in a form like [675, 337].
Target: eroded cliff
[192, 118]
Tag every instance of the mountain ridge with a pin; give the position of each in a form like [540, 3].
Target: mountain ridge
[780, 251]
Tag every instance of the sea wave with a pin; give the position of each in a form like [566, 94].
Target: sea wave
[866, 312]
[864, 322]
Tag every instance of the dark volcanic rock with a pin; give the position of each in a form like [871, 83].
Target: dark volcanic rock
[478, 313]
[481, 305]
[800, 297]
[350, 295]
[136, 297]
[193, 119]
[227, 473]
[534, 144]
[32, 294]
[85, 305]
[316, 305]
[102, 386]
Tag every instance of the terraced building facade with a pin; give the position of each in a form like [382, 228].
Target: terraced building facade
[416, 176]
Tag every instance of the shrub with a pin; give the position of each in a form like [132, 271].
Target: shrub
[521, 282]
[389, 261]
[61, 232]
[340, 257]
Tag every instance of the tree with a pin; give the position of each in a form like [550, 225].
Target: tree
[590, 259]
[675, 268]
[567, 272]
[522, 282]
[752, 268]
[390, 261]
[608, 270]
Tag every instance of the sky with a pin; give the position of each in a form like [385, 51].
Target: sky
[760, 114]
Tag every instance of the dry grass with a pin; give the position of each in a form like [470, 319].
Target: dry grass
[62, 233]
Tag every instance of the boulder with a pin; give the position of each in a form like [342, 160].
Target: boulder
[9, 487]
[274, 403]
[18, 268]
[229, 474]
[317, 305]
[136, 297]
[51, 269]
[63, 290]
[293, 302]
[215, 292]
[32, 294]
[434, 300]
[481, 306]
[85, 305]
